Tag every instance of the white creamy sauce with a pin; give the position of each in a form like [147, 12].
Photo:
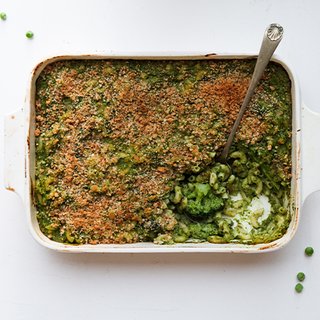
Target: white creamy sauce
[257, 203]
[261, 202]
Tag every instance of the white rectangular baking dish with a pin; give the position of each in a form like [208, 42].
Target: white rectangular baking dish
[20, 157]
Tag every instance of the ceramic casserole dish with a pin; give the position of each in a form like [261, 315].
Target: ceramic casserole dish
[20, 164]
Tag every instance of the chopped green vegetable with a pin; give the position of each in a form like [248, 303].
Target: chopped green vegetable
[29, 34]
[200, 201]
[3, 16]
[299, 287]
[309, 251]
[301, 276]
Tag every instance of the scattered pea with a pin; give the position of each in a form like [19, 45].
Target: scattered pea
[299, 287]
[301, 276]
[29, 34]
[3, 16]
[309, 251]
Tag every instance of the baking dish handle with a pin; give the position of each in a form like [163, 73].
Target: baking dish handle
[310, 148]
[14, 155]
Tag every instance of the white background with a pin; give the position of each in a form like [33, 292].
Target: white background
[36, 283]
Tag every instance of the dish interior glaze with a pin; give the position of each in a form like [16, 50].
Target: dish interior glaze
[126, 152]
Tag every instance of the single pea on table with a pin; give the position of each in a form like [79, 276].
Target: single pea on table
[299, 287]
[3, 16]
[309, 251]
[29, 34]
[301, 276]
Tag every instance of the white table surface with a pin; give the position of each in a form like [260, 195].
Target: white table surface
[40, 284]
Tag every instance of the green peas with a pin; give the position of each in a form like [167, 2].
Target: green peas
[29, 34]
[3, 16]
[298, 287]
[301, 276]
[309, 251]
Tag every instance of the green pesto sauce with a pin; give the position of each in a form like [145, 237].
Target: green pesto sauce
[126, 152]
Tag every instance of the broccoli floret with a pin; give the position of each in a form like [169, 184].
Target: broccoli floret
[201, 201]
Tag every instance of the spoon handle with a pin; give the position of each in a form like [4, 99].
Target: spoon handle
[271, 39]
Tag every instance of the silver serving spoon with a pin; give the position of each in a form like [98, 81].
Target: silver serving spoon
[271, 39]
